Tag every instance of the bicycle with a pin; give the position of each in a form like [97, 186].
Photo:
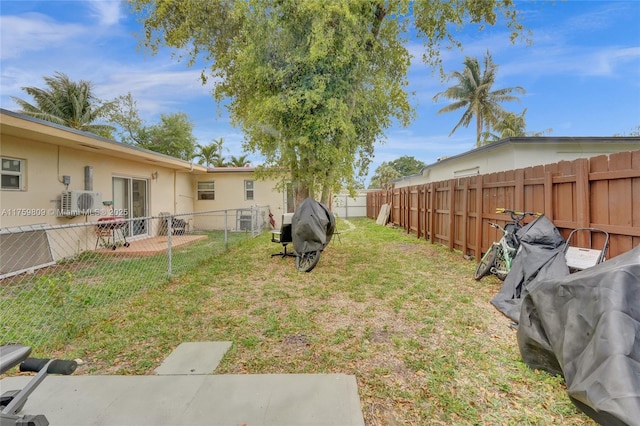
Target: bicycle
[11, 402]
[498, 259]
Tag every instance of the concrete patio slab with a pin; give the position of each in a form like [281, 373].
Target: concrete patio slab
[184, 392]
[194, 358]
[218, 400]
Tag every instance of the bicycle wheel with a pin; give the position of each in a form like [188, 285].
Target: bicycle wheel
[486, 263]
[500, 269]
[307, 261]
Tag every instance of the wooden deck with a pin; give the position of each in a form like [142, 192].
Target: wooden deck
[150, 246]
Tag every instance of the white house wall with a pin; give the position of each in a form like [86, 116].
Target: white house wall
[230, 195]
[45, 165]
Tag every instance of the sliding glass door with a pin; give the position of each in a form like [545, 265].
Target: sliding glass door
[131, 200]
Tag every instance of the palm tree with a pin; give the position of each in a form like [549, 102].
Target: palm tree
[511, 125]
[473, 92]
[217, 160]
[66, 103]
[208, 154]
[240, 161]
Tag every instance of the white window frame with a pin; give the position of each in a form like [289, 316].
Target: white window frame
[249, 190]
[212, 190]
[20, 174]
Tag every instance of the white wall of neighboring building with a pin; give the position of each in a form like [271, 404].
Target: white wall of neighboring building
[516, 153]
[231, 194]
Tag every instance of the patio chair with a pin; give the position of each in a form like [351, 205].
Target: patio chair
[178, 226]
[580, 258]
[283, 236]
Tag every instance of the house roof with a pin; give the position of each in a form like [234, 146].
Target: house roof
[527, 140]
[25, 127]
[231, 169]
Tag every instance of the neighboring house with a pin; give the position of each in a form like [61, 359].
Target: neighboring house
[516, 153]
[234, 188]
[51, 172]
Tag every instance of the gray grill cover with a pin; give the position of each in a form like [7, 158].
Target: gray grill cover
[312, 226]
[586, 326]
[540, 256]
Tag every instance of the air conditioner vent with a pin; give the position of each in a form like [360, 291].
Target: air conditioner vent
[76, 203]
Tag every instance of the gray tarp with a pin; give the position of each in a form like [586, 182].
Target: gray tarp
[312, 226]
[586, 326]
[540, 256]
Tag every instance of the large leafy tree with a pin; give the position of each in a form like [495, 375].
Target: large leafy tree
[383, 176]
[173, 136]
[123, 112]
[388, 171]
[407, 165]
[312, 84]
[67, 103]
[474, 93]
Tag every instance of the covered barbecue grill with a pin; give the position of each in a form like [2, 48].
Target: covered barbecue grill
[586, 327]
[312, 227]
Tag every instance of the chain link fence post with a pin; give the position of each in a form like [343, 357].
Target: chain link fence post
[169, 241]
[226, 230]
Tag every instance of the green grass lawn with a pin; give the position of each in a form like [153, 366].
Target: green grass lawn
[46, 308]
[404, 316]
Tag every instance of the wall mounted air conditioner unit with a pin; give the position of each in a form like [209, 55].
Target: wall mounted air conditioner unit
[76, 203]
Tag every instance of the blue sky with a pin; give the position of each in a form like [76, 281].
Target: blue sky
[581, 74]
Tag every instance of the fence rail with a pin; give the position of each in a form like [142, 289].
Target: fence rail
[601, 192]
[57, 280]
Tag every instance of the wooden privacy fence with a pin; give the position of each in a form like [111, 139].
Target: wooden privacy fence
[600, 192]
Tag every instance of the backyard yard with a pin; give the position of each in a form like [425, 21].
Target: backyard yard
[404, 316]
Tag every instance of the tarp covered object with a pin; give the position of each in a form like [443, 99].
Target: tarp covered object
[312, 226]
[540, 256]
[586, 326]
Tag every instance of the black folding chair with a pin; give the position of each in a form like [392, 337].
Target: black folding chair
[283, 236]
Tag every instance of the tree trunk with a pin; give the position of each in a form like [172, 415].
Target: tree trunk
[300, 193]
[326, 195]
[478, 127]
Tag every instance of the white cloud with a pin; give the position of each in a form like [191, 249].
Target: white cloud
[33, 32]
[107, 12]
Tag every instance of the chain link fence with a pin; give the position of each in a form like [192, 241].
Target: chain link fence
[56, 281]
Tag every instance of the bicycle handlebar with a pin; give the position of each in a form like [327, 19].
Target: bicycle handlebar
[516, 214]
[57, 366]
[503, 210]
